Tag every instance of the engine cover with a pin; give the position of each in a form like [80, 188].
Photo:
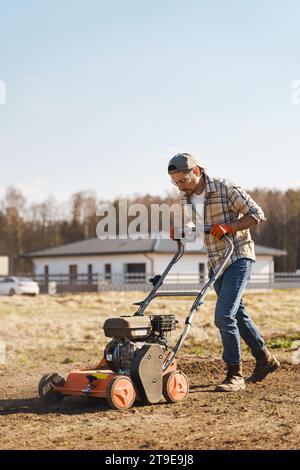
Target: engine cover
[127, 327]
[146, 371]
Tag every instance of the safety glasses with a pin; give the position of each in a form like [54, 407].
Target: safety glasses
[185, 179]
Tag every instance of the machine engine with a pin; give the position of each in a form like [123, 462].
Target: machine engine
[130, 335]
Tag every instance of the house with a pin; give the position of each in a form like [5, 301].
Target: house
[105, 264]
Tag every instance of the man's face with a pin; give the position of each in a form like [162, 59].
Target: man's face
[187, 181]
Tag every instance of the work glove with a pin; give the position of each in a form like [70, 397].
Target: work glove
[218, 230]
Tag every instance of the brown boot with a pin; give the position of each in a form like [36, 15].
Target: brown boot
[265, 364]
[234, 379]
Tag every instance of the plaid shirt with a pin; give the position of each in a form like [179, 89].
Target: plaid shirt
[224, 203]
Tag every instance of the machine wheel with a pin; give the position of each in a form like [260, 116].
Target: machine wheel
[175, 386]
[120, 393]
[11, 292]
[45, 391]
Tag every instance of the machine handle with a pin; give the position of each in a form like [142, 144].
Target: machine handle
[159, 279]
[199, 300]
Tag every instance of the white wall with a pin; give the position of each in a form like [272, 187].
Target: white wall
[189, 263]
[185, 270]
[61, 265]
[263, 268]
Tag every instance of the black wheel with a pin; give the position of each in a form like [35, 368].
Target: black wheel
[12, 292]
[175, 386]
[120, 393]
[45, 389]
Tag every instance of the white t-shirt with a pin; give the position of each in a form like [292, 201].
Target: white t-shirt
[197, 202]
[196, 238]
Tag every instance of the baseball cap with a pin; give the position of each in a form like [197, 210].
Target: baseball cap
[181, 162]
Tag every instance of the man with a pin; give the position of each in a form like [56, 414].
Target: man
[226, 209]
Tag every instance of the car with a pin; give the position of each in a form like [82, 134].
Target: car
[12, 285]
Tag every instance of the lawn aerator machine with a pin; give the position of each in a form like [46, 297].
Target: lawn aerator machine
[136, 364]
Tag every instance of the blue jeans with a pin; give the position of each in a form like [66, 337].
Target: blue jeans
[230, 314]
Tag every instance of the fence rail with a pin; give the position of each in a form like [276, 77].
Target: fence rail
[141, 281]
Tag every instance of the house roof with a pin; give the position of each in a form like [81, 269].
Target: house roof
[96, 247]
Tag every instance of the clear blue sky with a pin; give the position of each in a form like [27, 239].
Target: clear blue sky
[101, 93]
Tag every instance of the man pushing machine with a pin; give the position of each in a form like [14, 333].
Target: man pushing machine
[227, 209]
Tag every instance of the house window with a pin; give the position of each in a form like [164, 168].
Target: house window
[73, 273]
[201, 272]
[107, 272]
[135, 272]
[90, 273]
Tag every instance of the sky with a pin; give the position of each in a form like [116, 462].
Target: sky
[100, 95]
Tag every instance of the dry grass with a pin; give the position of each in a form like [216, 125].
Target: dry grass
[68, 328]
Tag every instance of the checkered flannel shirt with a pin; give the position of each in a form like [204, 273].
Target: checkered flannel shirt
[224, 203]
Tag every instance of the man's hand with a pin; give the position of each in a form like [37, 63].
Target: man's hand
[218, 230]
[243, 223]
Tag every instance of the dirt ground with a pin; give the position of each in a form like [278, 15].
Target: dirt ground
[60, 333]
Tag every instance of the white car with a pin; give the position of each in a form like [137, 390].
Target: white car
[18, 285]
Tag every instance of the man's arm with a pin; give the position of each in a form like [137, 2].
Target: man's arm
[243, 223]
[239, 202]
[247, 221]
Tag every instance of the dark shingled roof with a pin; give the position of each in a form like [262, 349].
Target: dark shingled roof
[95, 246]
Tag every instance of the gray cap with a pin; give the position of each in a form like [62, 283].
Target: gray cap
[181, 162]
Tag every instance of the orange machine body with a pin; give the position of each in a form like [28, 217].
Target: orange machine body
[77, 383]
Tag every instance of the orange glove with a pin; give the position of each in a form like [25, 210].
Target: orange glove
[218, 230]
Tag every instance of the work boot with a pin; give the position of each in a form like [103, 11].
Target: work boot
[265, 364]
[234, 379]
